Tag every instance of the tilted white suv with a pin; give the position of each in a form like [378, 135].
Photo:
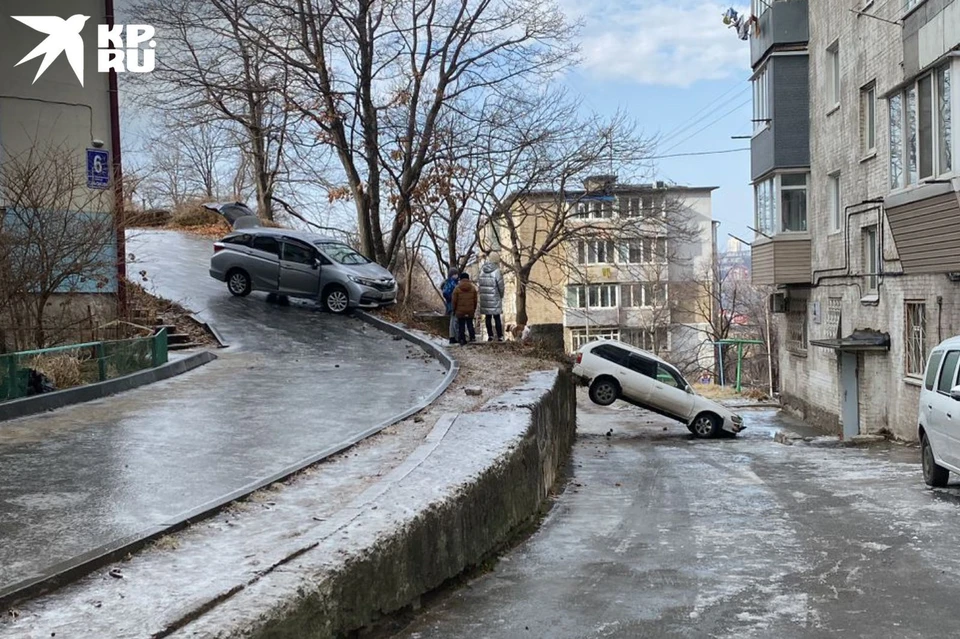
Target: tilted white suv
[938, 424]
[614, 370]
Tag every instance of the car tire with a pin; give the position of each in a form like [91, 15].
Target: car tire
[336, 300]
[238, 283]
[705, 426]
[604, 391]
[934, 475]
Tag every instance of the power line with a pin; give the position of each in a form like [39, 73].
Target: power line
[708, 125]
[694, 121]
[683, 155]
[711, 104]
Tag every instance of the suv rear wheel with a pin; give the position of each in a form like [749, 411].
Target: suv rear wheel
[238, 283]
[934, 474]
[604, 391]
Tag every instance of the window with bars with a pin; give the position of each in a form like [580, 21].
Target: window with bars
[582, 336]
[834, 310]
[915, 339]
[797, 324]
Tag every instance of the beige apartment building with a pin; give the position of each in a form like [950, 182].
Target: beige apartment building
[631, 253]
[857, 205]
[55, 115]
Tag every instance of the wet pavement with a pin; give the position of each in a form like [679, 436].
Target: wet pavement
[660, 535]
[294, 382]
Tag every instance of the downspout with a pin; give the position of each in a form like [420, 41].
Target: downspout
[119, 213]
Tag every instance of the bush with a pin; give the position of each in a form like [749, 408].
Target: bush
[151, 218]
[65, 370]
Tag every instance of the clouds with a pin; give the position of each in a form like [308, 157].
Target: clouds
[657, 42]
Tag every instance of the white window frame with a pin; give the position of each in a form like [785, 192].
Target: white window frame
[834, 76]
[762, 99]
[769, 193]
[835, 201]
[613, 295]
[585, 247]
[582, 336]
[915, 338]
[580, 291]
[868, 119]
[905, 143]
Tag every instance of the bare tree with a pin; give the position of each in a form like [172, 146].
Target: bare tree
[375, 78]
[56, 237]
[213, 71]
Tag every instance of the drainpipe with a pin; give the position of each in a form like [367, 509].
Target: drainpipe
[119, 213]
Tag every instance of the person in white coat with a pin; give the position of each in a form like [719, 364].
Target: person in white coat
[490, 284]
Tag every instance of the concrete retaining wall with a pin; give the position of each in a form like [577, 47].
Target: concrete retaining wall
[478, 479]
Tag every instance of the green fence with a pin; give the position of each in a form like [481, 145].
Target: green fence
[80, 364]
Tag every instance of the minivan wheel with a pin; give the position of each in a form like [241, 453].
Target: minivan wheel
[604, 392]
[706, 426]
[238, 283]
[934, 474]
[336, 300]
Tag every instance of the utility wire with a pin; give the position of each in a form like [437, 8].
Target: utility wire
[715, 106]
[711, 104]
[708, 125]
[683, 155]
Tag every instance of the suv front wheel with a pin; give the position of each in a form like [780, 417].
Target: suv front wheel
[706, 426]
[604, 391]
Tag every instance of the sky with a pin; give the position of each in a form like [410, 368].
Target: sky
[684, 77]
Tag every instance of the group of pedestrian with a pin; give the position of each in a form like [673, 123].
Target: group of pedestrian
[465, 301]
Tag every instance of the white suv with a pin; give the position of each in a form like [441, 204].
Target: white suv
[937, 428]
[614, 370]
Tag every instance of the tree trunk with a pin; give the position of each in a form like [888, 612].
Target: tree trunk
[523, 278]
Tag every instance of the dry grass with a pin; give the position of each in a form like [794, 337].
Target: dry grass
[717, 392]
[65, 369]
[164, 311]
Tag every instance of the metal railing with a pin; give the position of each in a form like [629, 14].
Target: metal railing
[23, 374]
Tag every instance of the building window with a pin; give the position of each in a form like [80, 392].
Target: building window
[871, 258]
[655, 250]
[833, 73]
[762, 98]
[834, 313]
[633, 252]
[595, 252]
[576, 297]
[631, 295]
[793, 202]
[835, 202]
[602, 296]
[643, 295]
[630, 206]
[797, 324]
[582, 336]
[868, 119]
[654, 341]
[915, 338]
[921, 136]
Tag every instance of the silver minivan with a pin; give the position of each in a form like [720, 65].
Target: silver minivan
[300, 264]
[938, 422]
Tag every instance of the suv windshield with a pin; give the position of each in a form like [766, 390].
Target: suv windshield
[341, 253]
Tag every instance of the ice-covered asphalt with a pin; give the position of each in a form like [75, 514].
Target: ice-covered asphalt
[660, 535]
[294, 382]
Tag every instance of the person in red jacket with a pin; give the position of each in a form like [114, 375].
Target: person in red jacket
[465, 298]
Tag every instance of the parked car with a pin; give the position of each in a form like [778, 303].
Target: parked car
[938, 423]
[614, 370]
[300, 264]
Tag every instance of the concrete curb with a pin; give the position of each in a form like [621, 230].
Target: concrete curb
[71, 570]
[59, 399]
[213, 330]
[476, 480]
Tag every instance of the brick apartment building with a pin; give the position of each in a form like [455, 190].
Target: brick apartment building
[622, 276]
[857, 200]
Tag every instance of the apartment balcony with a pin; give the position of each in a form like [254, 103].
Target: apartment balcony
[784, 259]
[925, 223]
[784, 23]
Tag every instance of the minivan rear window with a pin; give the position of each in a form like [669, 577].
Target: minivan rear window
[932, 367]
[948, 372]
[267, 244]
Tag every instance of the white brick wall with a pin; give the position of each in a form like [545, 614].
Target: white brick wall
[870, 50]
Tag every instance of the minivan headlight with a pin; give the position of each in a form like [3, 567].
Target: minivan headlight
[736, 419]
[363, 281]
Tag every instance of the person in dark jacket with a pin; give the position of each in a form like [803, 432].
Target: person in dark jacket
[465, 299]
[491, 286]
[447, 289]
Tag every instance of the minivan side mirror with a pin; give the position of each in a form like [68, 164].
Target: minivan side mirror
[955, 393]
[316, 263]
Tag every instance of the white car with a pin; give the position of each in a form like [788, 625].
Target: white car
[938, 424]
[614, 370]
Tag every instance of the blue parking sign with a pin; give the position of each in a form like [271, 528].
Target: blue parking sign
[98, 168]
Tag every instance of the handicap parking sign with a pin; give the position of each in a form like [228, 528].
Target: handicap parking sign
[98, 169]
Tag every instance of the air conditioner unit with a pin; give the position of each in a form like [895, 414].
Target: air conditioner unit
[778, 303]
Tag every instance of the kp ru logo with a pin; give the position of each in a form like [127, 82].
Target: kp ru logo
[114, 52]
